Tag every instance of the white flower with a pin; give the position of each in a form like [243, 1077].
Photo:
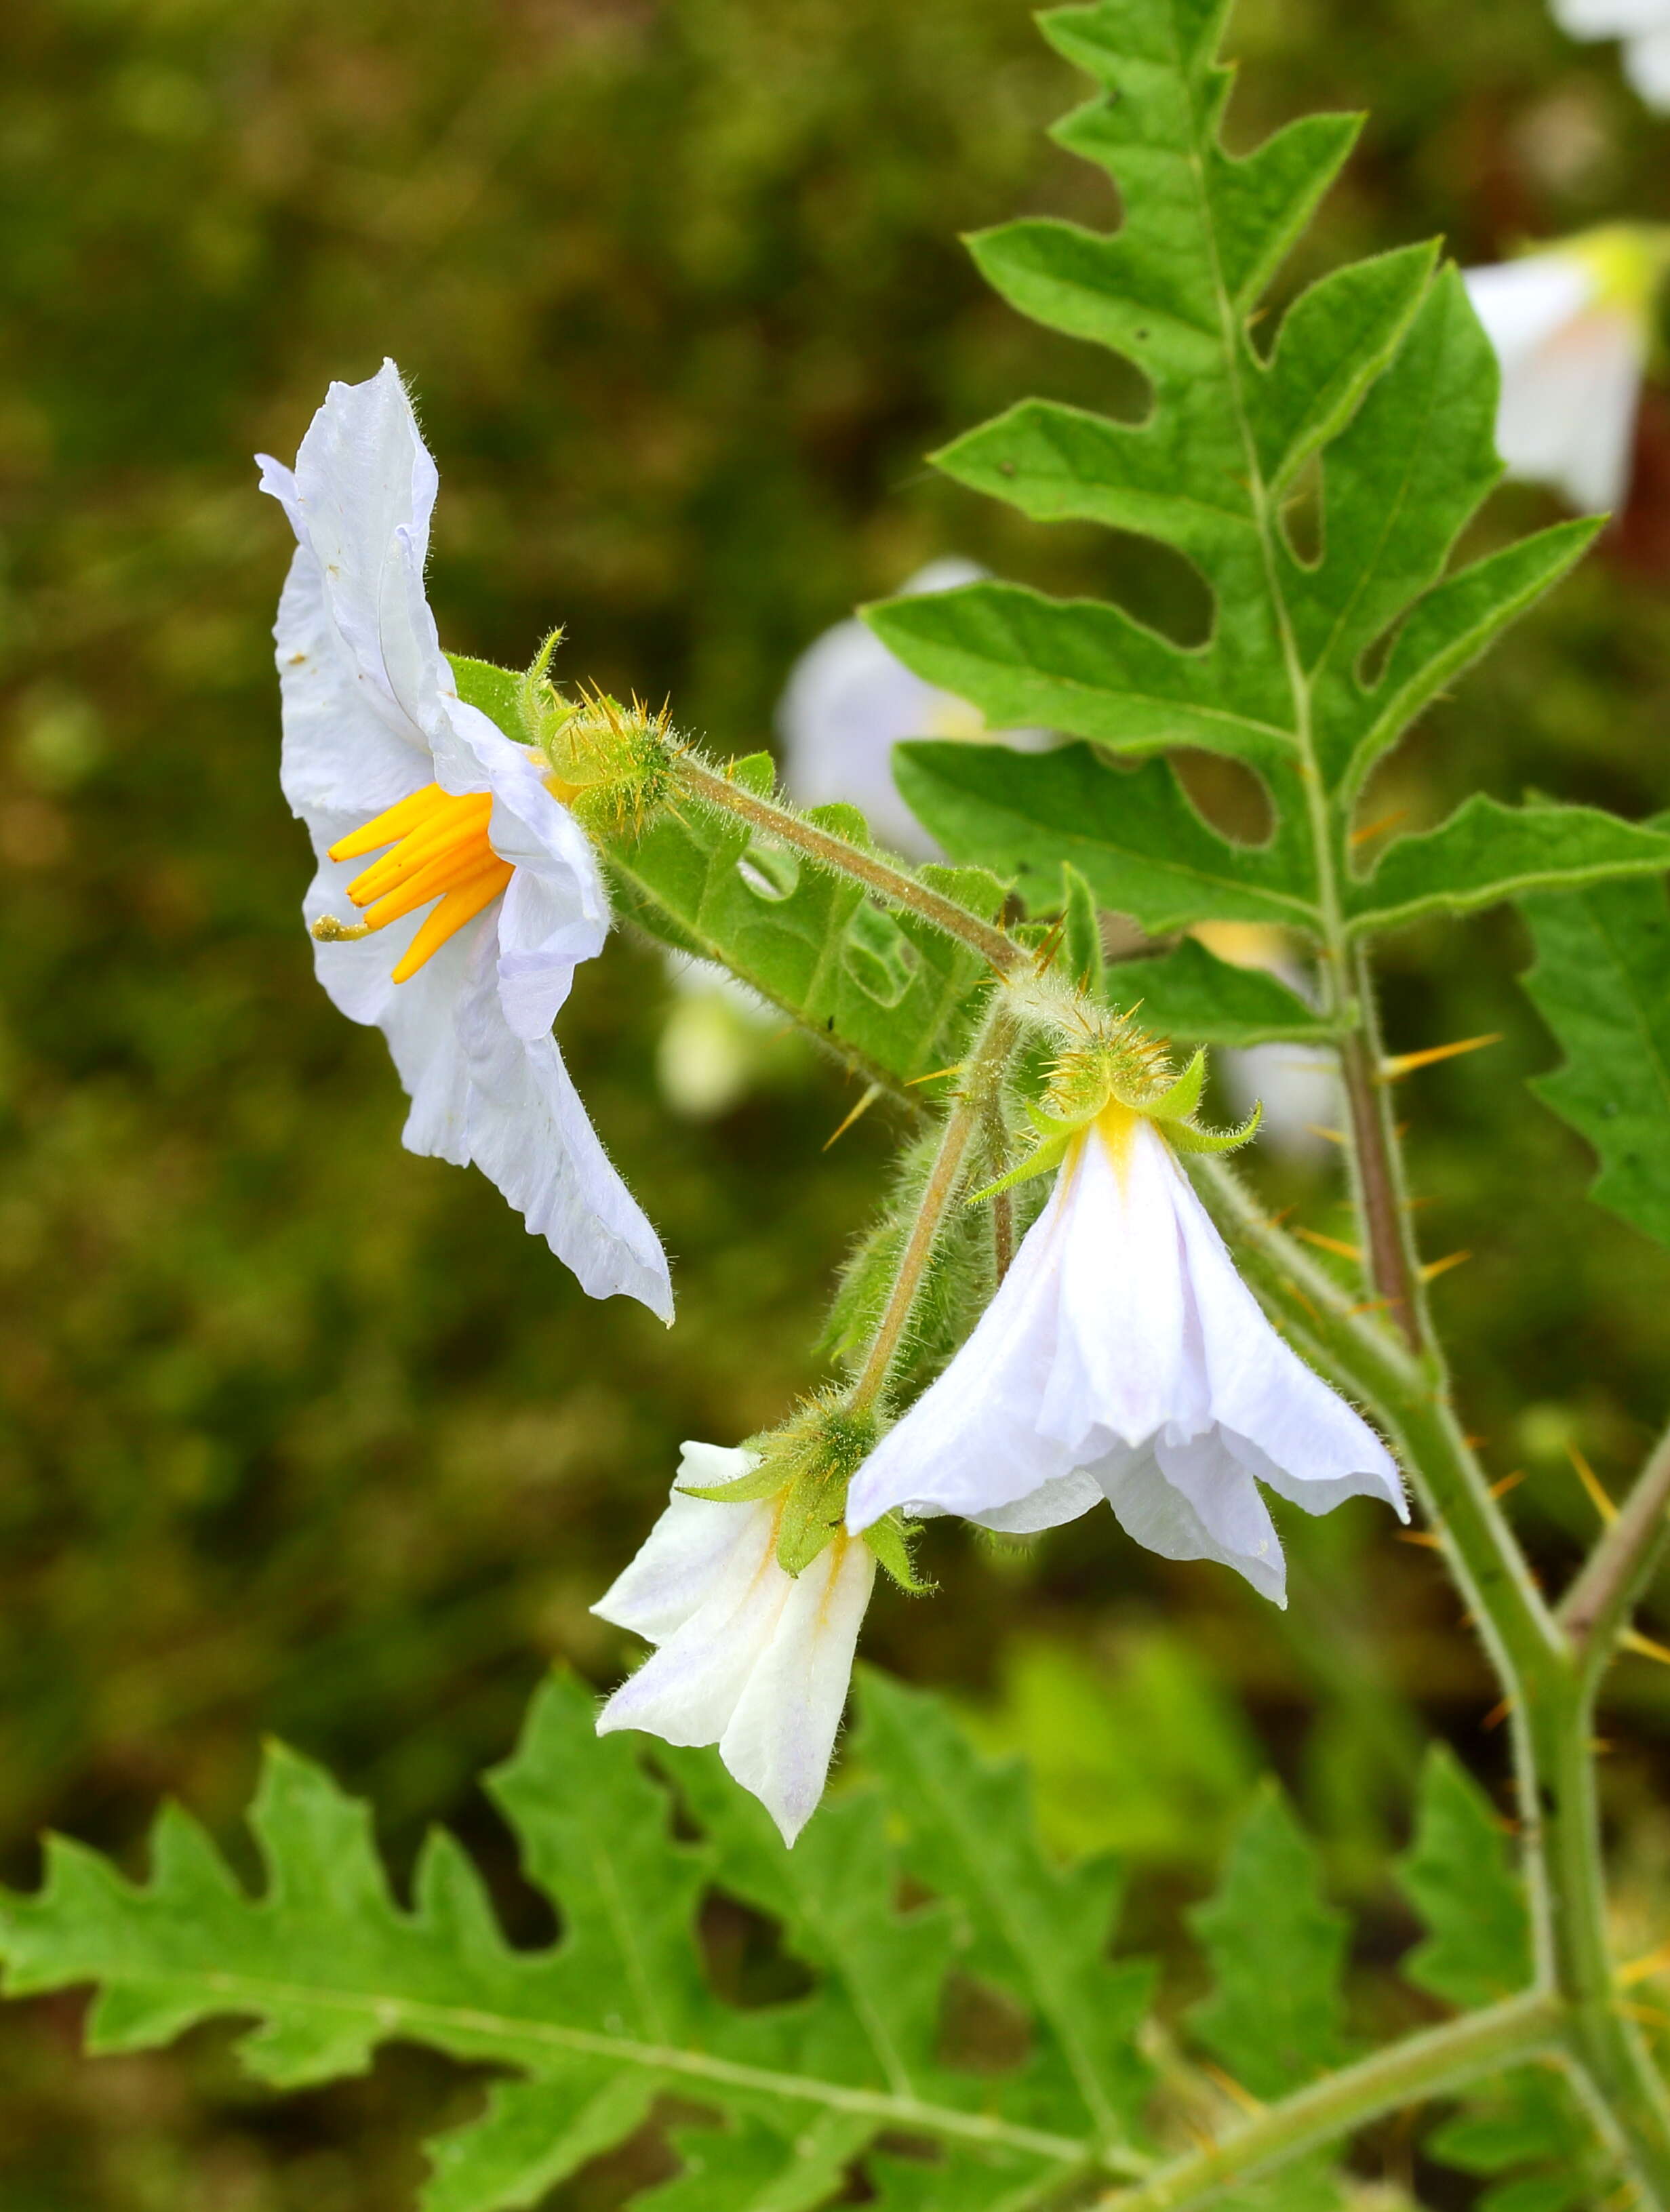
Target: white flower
[848, 701]
[1123, 1357]
[379, 751]
[714, 1041]
[750, 1658]
[1644, 28]
[1570, 328]
[1297, 1085]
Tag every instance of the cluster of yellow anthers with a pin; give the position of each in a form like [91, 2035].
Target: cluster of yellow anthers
[441, 852]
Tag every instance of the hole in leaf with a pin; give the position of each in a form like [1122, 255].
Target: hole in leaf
[770, 872]
[981, 2030]
[746, 1963]
[1230, 796]
[1161, 587]
[1301, 513]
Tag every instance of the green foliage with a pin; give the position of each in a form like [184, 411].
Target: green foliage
[1601, 982]
[1381, 371]
[891, 995]
[621, 2011]
[1458, 1875]
[1277, 1951]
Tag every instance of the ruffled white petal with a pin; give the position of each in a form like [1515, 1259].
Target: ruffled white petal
[1571, 369]
[371, 714]
[750, 1658]
[1123, 1355]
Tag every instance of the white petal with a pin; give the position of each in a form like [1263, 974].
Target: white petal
[527, 1132]
[1171, 1517]
[1610, 18]
[359, 501]
[1647, 64]
[339, 755]
[687, 1690]
[1568, 416]
[681, 1558]
[781, 1735]
[1522, 304]
[1047, 1507]
[1310, 1445]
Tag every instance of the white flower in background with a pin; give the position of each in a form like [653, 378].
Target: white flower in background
[1571, 328]
[380, 754]
[713, 1041]
[749, 1657]
[1296, 1084]
[1123, 1358]
[848, 701]
[1644, 28]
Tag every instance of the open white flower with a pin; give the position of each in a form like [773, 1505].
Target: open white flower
[751, 1658]
[380, 754]
[1644, 28]
[1123, 1357]
[848, 701]
[1571, 328]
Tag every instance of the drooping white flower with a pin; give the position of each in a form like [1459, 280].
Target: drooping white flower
[1123, 1358]
[380, 754]
[848, 701]
[1571, 327]
[1644, 28]
[749, 1657]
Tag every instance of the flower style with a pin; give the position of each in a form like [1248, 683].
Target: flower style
[848, 701]
[1644, 28]
[1570, 328]
[380, 754]
[749, 1657]
[1123, 1357]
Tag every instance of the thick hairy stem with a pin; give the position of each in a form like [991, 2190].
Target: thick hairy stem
[1426, 2065]
[895, 886]
[1596, 1609]
[983, 1077]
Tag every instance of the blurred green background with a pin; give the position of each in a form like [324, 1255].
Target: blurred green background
[299, 1434]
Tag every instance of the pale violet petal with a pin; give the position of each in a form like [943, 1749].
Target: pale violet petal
[682, 1557]
[705, 1465]
[687, 1690]
[1163, 1518]
[1047, 1507]
[529, 1134]
[781, 1735]
[1262, 1391]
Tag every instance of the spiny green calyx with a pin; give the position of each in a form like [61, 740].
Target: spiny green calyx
[1122, 1074]
[611, 765]
[806, 1465]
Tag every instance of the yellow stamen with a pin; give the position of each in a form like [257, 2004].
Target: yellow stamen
[393, 822]
[441, 850]
[459, 907]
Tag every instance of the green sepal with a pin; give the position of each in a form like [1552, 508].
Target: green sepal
[890, 1542]
[1180, 1100]
[1048, 1155]
[1081, 954]
[1185, 1137]
[762, 1481]
[812, 1511]
[495, 692]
